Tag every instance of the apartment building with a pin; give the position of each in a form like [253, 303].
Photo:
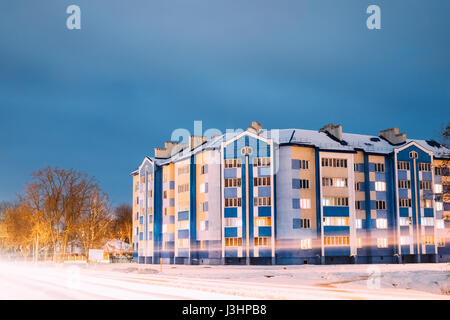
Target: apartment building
[293, 196]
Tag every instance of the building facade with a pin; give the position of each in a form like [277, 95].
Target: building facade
[293, 196]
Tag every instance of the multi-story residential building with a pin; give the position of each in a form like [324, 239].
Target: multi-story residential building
[293, 196]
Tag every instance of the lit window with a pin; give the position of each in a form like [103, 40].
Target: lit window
[438, 188]
[381, 223]
[359, 244]
[382, 242]
[405, 240]
[405, 221]
[439, 206]
[380, 186]
[358, 223]
[427, 240]
[335, 221]
[427, 203]
[305, 244]
[427, 221]
[305, 203]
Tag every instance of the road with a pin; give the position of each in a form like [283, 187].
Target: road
[44, 281]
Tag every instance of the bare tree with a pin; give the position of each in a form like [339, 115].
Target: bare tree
[93, 227]
[123, 224]
[61, 199]
[19, 222]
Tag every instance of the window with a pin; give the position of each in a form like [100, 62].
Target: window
[404, 203]
[427, 240]
[262, 201]
[300, 184]
[335, 201]
[233, 182]
[379, 167]
[382, 224]
[441, 242]
[403, 165]
[233, 202]
[358, 224]
[204, 206]
[305, 244]
[305, 223]
[327, 182]
[304, 164]
[404, 184]
[428, 221]
[204, 169]
[359, 186]
[359, 244]
[405, 240]
[425, 185]
[439, 206]
[300, 164]
[183, 225]
[204, 187]
[261, 162]
[381, 205]
[183, 243]
[423, 166]
[438, 188]
[439, 171]
[203, 225]
[165, 194]
[340, 182]
[405, 221]
[233, 242]
[305, 203]
[427, 203]
[382, 243]
[260, 181]
[304, 184]
[413, 155]
[335, 221]
[336, 163]
[358, 205]
[183, 170]
[380, 186]
[262, 241]
[232, 163]
[246, 150]
[183, 188]
[336, 241]
[263, 221]
[232, 222]
[359, 167]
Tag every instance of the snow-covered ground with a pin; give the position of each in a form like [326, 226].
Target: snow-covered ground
[133, 281]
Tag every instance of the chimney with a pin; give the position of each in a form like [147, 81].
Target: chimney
[170, 148]
[256, 127]
[335, 131]
[392, 136]
[195, 141]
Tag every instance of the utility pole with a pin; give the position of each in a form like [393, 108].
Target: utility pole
[247, 220]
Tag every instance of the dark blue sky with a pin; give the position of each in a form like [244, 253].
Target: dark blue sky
[101, 98]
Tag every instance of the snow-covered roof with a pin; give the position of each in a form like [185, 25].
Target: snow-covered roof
[324, 141]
